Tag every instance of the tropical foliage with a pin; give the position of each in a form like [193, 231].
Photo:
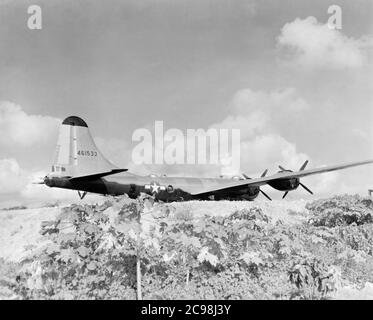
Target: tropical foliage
[128, 249]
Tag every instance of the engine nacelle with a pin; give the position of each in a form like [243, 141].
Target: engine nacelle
[284, 184]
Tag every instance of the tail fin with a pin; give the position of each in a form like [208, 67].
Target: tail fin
[76, 154]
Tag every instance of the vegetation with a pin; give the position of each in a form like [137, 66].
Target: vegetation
[15, 208]
[128, 249]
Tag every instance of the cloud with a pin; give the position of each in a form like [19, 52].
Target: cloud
[269, 150]
[17, 181]
[18, 131]
[311, 44]
[17, 128]
[260, 116]
[12, 178]
[260, 111]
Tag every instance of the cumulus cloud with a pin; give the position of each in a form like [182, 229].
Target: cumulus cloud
[260, 111]
[17, 128]
[268, 151]
[15, 180]
[12, 178]
[260, 115]
[311, 44]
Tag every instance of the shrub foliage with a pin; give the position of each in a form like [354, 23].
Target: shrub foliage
[128, 249]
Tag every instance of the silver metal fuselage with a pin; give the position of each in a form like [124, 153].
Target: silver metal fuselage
[163, 188]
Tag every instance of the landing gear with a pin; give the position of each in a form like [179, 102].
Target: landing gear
[82, 194]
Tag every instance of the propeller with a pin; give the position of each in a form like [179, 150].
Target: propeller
[263, 175]
[304, 165]
[305, 188]
[264, 194]
[283, 169]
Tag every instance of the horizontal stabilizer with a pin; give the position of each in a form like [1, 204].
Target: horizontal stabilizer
[97, 175]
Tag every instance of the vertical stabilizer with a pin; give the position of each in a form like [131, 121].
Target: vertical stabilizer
[76, 153]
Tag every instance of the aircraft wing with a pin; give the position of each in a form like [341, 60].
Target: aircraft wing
[280, 175]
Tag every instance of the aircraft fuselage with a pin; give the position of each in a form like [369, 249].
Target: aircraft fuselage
[163, 188]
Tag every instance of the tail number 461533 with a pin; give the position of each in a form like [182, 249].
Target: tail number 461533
[87, 153]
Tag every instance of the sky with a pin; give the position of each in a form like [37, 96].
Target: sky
[295, 88]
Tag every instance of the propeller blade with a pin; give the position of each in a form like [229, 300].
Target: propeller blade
[264, 173]
[306, 188]
[264, 194]
[303, 166]
[245, 176]
[38, 182]
[285, 194]
[282, 168]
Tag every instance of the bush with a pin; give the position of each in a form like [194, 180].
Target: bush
[8, 278]
[127, 248]
[341, 210]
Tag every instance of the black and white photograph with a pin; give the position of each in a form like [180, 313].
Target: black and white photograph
[199, 151]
